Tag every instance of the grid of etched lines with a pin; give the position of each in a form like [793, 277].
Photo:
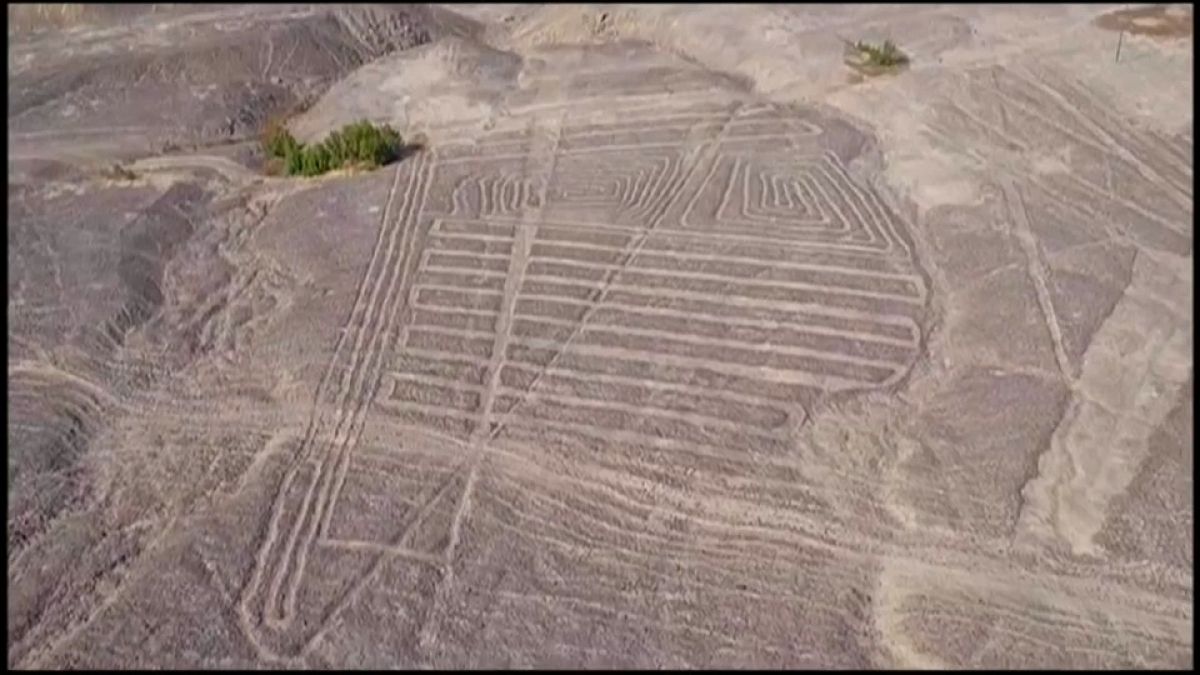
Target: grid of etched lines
[442, 368]
[620, 334]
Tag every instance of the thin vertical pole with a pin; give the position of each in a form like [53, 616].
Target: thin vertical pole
[1120, 38]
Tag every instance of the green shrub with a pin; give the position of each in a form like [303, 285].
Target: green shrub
[886, 55]
[363, 142]
[293, 163]
[279, 142]
[316, 160]
[335, 143]
[359, 143]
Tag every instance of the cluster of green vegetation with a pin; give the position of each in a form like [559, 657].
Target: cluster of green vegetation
[360, 144]
[884, 56]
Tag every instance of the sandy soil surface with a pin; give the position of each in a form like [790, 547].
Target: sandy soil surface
[679, 344]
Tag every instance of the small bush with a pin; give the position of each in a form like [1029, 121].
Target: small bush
[364, 142]
[886, 55]
[317, 160]
[335, 143]
[357, 144]
[279, 142]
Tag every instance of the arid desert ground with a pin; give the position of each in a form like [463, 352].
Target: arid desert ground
[677, 343]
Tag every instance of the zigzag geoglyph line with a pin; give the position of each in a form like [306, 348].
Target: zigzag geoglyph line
[662, 200]
[819, 186]
[674, 300]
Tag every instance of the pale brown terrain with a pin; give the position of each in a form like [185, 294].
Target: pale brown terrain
[677, 344]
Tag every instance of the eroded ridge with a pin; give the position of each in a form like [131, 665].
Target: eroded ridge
[1100, 208]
